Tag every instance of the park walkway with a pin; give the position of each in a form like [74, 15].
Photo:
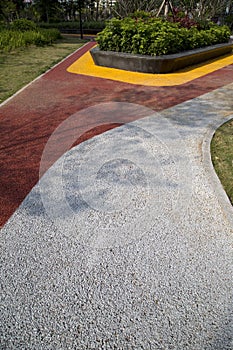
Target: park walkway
[126, 240]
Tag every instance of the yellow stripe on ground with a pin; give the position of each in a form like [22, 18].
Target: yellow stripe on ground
[85, 66]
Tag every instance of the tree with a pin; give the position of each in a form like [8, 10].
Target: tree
[10, 9]
[80, 7]
[125, 7]
[204, 9]
[19, 6]
[70, 9]
[47, 9]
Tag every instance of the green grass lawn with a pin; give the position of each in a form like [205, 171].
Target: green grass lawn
[20, 67]
[222, 156]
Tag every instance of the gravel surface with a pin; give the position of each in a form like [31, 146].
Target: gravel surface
[126, 242]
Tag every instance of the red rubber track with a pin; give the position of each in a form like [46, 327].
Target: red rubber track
[28, 119]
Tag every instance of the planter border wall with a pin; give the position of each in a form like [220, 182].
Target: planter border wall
[158, 64]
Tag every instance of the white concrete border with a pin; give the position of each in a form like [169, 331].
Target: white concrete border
[213, 177]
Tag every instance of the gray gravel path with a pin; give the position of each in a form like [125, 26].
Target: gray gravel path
[126, 242]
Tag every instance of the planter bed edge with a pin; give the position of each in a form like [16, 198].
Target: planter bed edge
[158, 64]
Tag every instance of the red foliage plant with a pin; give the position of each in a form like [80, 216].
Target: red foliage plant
[178, 16]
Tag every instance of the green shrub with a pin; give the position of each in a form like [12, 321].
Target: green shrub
[220, 34]
[23, 25]
[42, 37]
[12, 39]
[141, 15]
[50, 35]
[155, 36]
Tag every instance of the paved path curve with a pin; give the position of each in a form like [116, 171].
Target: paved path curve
[126, 241]
[28, 120]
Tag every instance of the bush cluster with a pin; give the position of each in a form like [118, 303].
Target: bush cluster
[155, 36]
[23, 25]
[23, 33]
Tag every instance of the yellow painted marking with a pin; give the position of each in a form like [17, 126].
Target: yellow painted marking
[85, 66]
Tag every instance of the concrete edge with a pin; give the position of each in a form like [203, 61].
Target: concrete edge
[158, 64]
[212, 175]
[40, 76]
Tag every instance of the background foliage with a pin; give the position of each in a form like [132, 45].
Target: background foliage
[69, 10]
[22, 33]
[29, 17]
[154, 36]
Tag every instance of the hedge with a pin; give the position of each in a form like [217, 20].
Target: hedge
[12, 39]
[155, 36]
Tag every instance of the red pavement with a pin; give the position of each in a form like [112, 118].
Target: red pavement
[28, 120]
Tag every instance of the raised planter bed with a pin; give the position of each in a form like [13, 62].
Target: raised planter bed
[158, 64]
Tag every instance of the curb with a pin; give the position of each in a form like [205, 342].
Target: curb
[222, 197]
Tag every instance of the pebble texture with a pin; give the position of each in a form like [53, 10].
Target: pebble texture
[29, 119]
[126, 242]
